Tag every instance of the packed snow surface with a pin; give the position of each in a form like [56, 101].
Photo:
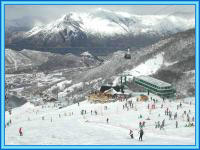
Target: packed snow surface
[149, 67]
[77, 129]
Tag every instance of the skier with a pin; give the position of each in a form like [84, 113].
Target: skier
[158, 124]
[193, 119]
[167, 111]
[10, 112]
[20, 131]
[184, 112]
[78, 103]
[162, 106]
[163, 123]
[162, 127]
[175, 116]
[140, 124]
[180, 105]
[141, 132]
[131, 134]
[176, 124]
[91, 112]
[143, 124]
[132, 105]
[105, 108]
[170, 115]
[188, 118]
[152, 106]
[107, 120]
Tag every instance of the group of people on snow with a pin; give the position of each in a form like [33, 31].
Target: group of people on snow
[160, 125]
[129, 104]
[141, 133]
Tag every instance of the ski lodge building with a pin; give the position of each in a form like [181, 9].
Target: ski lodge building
[155, 86]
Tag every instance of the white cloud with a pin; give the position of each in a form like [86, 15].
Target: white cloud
[52, 12]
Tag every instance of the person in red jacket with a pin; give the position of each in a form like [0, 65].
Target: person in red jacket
[20, 131]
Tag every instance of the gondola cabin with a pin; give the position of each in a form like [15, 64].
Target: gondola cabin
[127, 55]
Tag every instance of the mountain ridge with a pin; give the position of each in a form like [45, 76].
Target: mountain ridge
[102, 28]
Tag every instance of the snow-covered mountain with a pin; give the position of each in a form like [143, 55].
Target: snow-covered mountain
[25, 59]
[109, 22]
[80, 29]
[15, 27]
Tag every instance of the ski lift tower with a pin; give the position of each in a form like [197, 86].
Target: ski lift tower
[123, 79]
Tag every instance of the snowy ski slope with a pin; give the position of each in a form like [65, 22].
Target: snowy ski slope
[92, 129]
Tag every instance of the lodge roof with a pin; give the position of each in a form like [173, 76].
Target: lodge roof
[106, 87]
[154, 81]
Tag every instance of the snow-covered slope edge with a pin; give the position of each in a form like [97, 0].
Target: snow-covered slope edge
[28, 60]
